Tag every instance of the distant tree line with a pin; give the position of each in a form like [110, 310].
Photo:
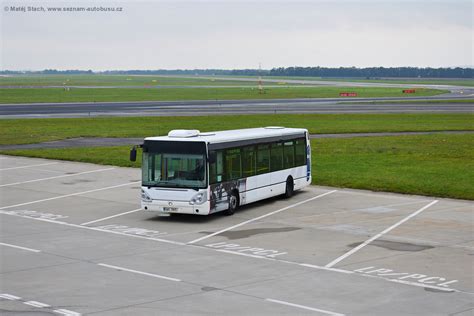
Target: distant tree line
[343, 72]
[375, 72]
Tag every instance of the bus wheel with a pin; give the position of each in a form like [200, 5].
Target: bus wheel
[290, 187]
[233, 203]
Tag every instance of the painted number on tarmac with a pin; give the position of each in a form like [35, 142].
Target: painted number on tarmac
[406, 276]
[132, 231]
[35, 214]
[268, 253]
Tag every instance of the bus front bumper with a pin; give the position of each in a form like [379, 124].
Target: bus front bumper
[176, 207]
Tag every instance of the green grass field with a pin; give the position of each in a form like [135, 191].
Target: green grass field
[112, 80]
[172, 94]
[435, 165]
[25, 131]
[453, 82]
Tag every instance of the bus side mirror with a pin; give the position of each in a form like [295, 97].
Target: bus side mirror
[133, 154]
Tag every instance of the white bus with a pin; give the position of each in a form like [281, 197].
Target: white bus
[202, 173]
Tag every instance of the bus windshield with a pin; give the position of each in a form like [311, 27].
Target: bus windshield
[177, 170]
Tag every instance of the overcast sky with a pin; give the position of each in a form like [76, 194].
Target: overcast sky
[237, 34]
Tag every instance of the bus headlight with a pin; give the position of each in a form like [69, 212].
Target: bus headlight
[145, 196]
[198, 198]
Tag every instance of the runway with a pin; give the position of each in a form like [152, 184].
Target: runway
[227, 107]
[334, 83]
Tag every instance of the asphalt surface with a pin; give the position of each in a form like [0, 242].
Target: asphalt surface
[74, 242]
[112, 141]
[276, 82]
[226, 107]
[453, 88]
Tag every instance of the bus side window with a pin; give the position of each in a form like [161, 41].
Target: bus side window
[288, 154]
[263, 159]
[300, 152]
[276, 157]
[216, 168]
[233, 164]
[248, 161]
[212, 167]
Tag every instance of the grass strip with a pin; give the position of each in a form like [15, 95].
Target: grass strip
[141, 80]
[112, 80]
[434, 165]
[27, 131]
[60, 95]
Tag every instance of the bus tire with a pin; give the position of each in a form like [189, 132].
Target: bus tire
[290, 187]
[233, 203]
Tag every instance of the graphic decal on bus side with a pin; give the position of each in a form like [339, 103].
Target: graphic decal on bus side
[220, 193]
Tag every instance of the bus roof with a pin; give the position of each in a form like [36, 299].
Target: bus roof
[230, 135]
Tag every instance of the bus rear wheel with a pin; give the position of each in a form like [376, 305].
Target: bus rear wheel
[233, 203]
[290, 187]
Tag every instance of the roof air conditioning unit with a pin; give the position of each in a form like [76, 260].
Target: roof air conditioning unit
[183, 133]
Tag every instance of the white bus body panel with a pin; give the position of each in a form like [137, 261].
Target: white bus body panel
[273, 184]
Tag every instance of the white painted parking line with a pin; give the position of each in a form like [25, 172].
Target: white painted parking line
[19, 247]
[324, 268]
[368, 241]
[143, 234]
[66, 312]
[260, 217]
[68, 195]
[139, 272]
[30, 166]
[56, 177]
[241, 254]
[304, 307]
[36, 304]
[109, 217]
[10, 297]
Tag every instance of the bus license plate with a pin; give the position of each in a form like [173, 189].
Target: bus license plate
[170, 209]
